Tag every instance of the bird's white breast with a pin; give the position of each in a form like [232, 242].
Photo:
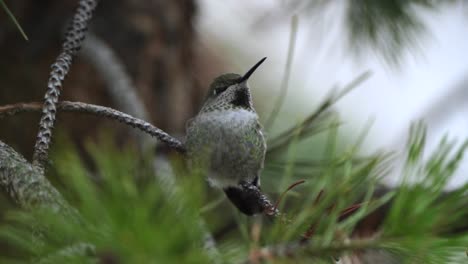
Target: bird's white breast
[228, 117]
[233, 136]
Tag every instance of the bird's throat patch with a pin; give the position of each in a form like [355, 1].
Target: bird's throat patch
[242, 99]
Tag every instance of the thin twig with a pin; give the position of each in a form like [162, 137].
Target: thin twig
[73, 39]
[97, 110]
[287, 73]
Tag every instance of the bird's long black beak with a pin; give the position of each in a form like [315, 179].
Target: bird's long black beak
[249, 72]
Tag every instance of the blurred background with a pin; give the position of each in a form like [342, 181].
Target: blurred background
[173, 49]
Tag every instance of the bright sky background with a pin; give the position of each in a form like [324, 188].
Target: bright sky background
[430, 83]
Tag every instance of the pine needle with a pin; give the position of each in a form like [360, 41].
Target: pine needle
[12, 17]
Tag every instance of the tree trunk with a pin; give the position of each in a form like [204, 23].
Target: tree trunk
[153, 39]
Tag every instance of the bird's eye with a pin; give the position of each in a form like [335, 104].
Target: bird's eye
[219, 90]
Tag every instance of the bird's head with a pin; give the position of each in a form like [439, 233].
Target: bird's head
[230, 91]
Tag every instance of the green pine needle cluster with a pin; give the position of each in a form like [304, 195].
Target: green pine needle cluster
[387, 26]
[124, 220]
[128, 216]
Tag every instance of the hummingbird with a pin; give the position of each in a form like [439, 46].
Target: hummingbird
[225, 138]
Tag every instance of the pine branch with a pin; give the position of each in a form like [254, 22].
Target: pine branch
[73, 39]
[387, 26]
[9, 110]
[27, 186]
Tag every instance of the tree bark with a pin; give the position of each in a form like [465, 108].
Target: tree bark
[27, 186]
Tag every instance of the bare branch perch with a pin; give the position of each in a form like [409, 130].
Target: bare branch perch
[73, 39]
[79, 107]
[27, 186]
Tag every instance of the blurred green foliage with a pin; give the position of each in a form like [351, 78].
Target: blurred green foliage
[126, 221]
[128, 217]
